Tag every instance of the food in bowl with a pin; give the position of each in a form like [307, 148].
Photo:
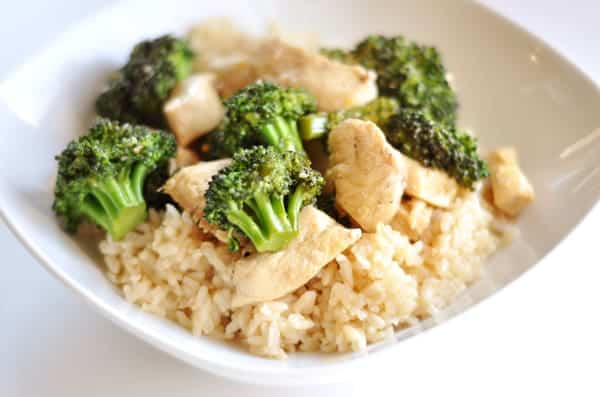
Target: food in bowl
[286, 197]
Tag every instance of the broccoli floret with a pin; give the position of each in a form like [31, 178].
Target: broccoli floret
[407, 71]
[263, 114]
[260, 195]
[101, 175]
[153, 194]
[437, 146]
[220, 143]
[114, 102]
[337, 54]
[137, 92]
[260, 114]
[412, 73]
[317, 125]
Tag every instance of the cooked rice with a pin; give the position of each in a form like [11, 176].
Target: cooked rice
[382, 283]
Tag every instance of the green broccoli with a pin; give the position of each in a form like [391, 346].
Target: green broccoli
[407, 71]
[101, 175]
[412, 73]
[260, 195]
[137, 92]
[437, 146]
[153, 194]
[220, 143]
[263, 114]
[337, 54]
[317, 125]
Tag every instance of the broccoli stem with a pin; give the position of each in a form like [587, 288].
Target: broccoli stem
[313, 126]
[271, 222]
[295, 204]
[268, 226]
[246, 224]
[117, 203]
[283, 135]
[279, 209]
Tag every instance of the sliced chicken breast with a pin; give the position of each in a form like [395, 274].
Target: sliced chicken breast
[185, 157]
[235, 77]
[188, 185]
[369, 175]
[266, 276]
[413, 218]
[194, 108]
[430, 185]
[334, 84]
[511, 190]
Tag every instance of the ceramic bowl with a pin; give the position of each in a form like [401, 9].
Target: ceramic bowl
[513, 89]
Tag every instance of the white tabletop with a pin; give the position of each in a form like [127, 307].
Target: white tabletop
[539, 336]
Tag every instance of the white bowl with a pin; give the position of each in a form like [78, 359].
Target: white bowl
[513, 90]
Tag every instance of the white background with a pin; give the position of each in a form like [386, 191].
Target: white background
[540, 336]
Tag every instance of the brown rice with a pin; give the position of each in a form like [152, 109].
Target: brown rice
[383, 282]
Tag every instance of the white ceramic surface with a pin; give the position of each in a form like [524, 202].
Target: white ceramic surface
[512, 88]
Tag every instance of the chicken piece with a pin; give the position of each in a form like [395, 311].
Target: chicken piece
[430, 185]
[511, 190]
[308, 41]
[334, 85]
[413, 218]
[185, 157]
[194, 108]
[271, 275]
[220, 43]
[188, 185]
[235, 77]
[368, 173]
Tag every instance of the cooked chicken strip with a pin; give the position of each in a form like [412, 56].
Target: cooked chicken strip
[413, 218]
[194, 108]
[510, 187]
[235, 77]
[185, 157]
[270, 275]
[188, 185]
[368, 173]
[220, 42]
[335, 85]
[430, 185]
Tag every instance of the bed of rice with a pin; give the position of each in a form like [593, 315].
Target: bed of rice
[382, 283]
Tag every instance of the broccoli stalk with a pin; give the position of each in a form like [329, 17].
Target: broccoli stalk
[316, 125]
[260, 196]
[438, 146]
[262, 114]
[275, 225]
[282, 133]
[101, 175]
[116, 203]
